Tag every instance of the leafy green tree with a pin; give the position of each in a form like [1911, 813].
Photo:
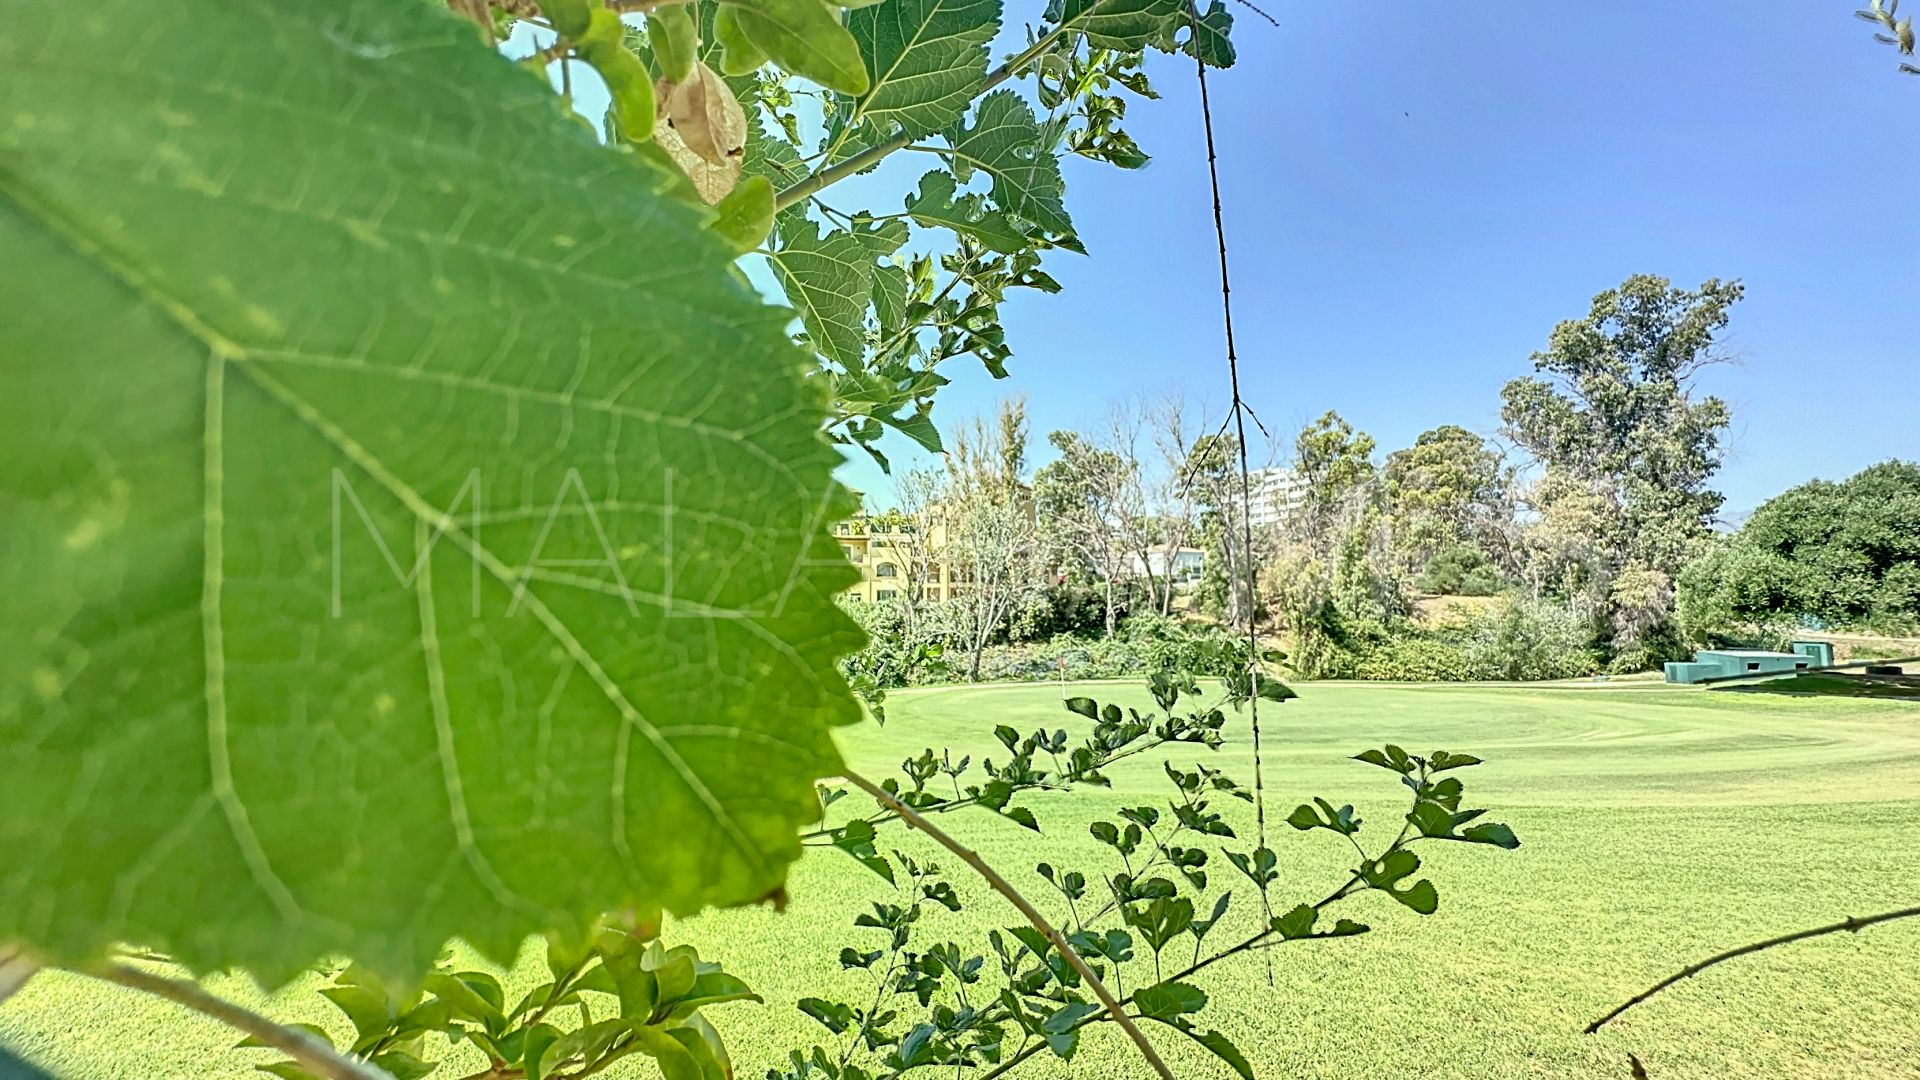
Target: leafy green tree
[1449, 491]
[992, 543]
[1335, 574]
[1335, 462]
[1460, 570]
[1844, 553]
[1641, 620]
[1211, 471]
[1627, 447]
[1082, 499]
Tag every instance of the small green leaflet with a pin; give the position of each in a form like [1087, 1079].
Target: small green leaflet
[938, 204]
[745, 214]
[1298, 923]
[1166, 1000]
[925, 60]
[428, 523]
[1221, 1046]
[890, 288]
[1386, 874]
[1006, 142]
[806, 38]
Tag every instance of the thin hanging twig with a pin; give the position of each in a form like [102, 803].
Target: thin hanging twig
[313, 1054]
[1239, 413]
[1000, 885]
[1850, 924]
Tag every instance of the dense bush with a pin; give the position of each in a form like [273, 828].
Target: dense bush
[1147, 644]
[1522, 641]
[1519, 641]
[1071, 609]
[892, 656]
[1064, 657]
[1460, 570]
[1412, 657]
[1165, 644]
[1528, 640]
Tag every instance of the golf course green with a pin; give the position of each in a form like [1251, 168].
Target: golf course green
[1659, 825]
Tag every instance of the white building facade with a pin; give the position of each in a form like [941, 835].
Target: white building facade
[1276, 494]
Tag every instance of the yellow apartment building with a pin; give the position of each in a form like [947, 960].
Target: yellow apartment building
[885, 548]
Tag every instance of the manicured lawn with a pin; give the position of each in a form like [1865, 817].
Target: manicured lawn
[1659, 825]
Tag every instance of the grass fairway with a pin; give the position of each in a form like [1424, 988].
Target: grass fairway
[1659, 825]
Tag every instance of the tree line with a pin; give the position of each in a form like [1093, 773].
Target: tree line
[1590, 517]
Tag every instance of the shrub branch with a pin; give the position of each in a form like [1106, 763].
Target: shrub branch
[1851, 924]
[16, 967]
[1000, 885]
[313, 1055]
[868, 158]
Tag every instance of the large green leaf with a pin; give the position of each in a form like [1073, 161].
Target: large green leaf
[829, 280]
[293, 287]
[1125, 25]
[828, 277]
[1209, 37]
[1006, 142]
[939, 203]
[925, 60]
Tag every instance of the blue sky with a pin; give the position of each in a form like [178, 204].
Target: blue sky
[1415, 194]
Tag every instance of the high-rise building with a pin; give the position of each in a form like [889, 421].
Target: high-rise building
[1276, 494]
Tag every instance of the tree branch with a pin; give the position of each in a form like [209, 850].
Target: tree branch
[821, 837]
[1259, 940]
[872, 155]
[1851, 924]
[16, 967]
[1039, 921]
[314, 1055]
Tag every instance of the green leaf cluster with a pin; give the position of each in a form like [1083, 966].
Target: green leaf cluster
[624, 994]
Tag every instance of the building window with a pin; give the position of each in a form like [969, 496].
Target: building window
[886, 569]
[885, 594]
